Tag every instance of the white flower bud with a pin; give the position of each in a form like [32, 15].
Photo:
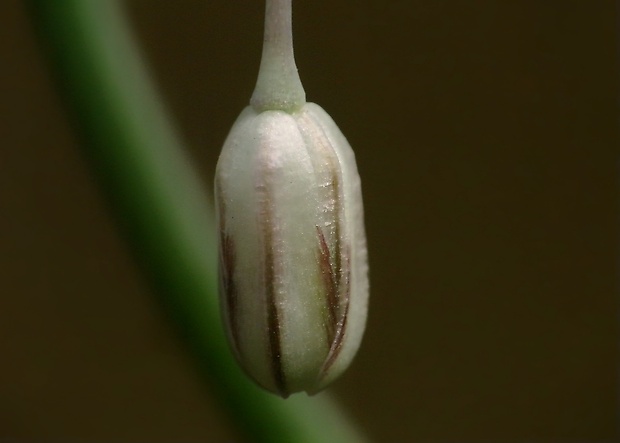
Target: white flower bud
[293, 261]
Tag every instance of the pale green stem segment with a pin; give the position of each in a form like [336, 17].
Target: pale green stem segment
[278, 86]
[163, 207]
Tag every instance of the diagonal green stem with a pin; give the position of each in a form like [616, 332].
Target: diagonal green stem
[163, 207]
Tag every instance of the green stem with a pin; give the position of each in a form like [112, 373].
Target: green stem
[278, 86]
[163, 207]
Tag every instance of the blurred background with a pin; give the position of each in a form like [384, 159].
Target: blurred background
[486, 137]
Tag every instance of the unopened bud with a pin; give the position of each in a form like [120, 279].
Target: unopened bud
[293, 261]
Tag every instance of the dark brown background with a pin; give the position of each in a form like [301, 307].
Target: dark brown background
[485, 133]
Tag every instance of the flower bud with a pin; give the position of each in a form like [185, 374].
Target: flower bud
[293, 261]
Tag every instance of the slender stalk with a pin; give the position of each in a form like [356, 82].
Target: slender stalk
[162, 206]
[278, 86]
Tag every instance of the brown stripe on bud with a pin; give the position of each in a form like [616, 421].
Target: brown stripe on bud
[334, 264]
[267, 228]
[343, 298]
[330, 259]
[330, 284]
[227, 287]
[337, 290]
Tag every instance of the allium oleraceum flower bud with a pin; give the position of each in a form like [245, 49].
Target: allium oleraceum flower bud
[293, 261]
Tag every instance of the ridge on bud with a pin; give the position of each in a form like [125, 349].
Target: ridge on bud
[293, 260]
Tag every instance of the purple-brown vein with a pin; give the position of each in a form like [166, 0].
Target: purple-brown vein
[267, 230]
[227, 284]
[334, 264]
[344, 297]
[227, 287]
[337, 287]
[330, 285]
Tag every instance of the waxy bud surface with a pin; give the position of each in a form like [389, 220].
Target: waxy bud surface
[293, 260]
